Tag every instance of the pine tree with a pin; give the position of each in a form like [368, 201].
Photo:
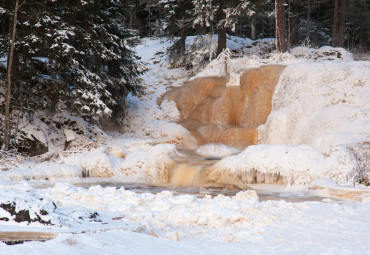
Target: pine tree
[179, 21]
[100, 64]
[342, 17]
[308, 27]
[358, 24]
[281, 44]
[334, 40]
[223, 13]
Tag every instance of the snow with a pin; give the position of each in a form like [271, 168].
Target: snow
[325, 113]
[43, 171]
[192, 225]
[254, 56]
[320, 112]
[216, 150]
[145, 118]
[70, 135]
[327, 106]
[150, 165]
[96, 164]
[34, 133]
[298, 164]
[33, 202]
[323, 53]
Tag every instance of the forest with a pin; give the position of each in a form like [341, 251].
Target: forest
[78, 56]
[184, 127]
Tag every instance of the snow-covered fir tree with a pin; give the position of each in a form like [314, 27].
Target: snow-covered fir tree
[76, 53]
[203, 18]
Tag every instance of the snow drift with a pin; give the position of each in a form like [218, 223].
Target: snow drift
[320, 104]
[320, 113]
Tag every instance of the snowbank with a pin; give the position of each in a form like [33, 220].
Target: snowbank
[43, 171]
[129, 160]
[238, 220]
[26, 207]
[324, 105]
[323, 53]
[145, 119]
[149, 166]
[295, 164]
[319, 110]
[254, 57]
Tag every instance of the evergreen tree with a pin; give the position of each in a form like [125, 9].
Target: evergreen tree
[74, 52]
[203, 18]
[179, 21]
[280, 30]
[145, 16]
[358, 25]
[223, 13]
[258, 17]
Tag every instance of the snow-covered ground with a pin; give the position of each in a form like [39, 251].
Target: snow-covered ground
[132, 223]
[321, 112]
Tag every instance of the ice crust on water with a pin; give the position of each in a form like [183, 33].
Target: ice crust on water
[43, 171]
[217, 150]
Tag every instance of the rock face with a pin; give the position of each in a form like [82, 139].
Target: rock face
[24, 215]
[32, 146]
[216, 113]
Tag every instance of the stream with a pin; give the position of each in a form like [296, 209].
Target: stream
[187, 178]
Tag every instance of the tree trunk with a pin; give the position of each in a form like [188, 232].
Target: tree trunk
[221, 31]
[281, 44]
[183, 43]
[342, 18]
[293, 24]
[362, 30]
[253, 29]
[6, 140]
[308, 29]
[334, 39]
[316, 5]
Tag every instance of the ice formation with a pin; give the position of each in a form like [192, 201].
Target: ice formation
[216, 113]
